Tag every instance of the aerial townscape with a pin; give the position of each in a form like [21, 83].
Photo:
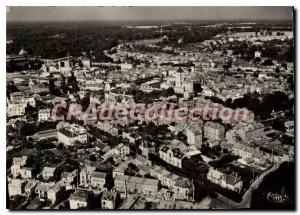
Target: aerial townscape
[150, 115]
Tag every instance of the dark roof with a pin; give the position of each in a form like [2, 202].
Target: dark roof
[165, 149]
[177, 153]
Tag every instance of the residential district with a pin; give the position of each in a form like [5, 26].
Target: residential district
[93, 163]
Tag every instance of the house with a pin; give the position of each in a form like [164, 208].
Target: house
[108, 128]
[232, 182]
[48, 172]
[42, 189]
[20, 160]
[14, 122]
[86, 62]
[165, 177]
[79, 199]
[30, 188]
[109, 200]
[44, 115]
[123, 150]
[215, 176]
[18, 168]
[119, 170]
[245, 132]
[85, 175]
[98, 180]
[289, 126]
[194, 135]
[56, 192]
[182, 189]
[26, 172]
[246, 161]
[126, 66]
[62, 65]
[132, 137]
[132, 184]
[16, 187]
[229, 181]
[147, 148]
[15, 110]
[214, 131]
[172, 156]
[17, 104]
[70, 178]
[242, 150]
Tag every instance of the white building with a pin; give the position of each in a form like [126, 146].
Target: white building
[42, 189]
[123, 150]
[171, 156]
[126, 66]
[44, 115]
[16, 187]
[98, 180]
[85, 175]
[48, 172]
[69, 134]
[15, 110]
[78, 200]
[214, 131]
[194, 135]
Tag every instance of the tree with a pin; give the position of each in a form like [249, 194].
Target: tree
[92, 158]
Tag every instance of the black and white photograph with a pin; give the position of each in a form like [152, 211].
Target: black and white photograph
[150, 108]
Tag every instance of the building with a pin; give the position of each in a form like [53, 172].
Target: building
[257, 54]
[229, 181]
[17, 97]
[109, 200]
[131, 185]
[16, 187]
[56, 193]
[42, 189]
[215, 176]
[44, 115]
[85, 175]
[30, 188]
[17, 104]
[182, 189]
[79, 199]
[108, 128]
[18, 168]
[245, 132]
[147, 148]
[214, 131]
[15, 110]
[126, 66]
[72, 133]
[62, 65]
[86, 62]
[232, 182]
[48, 172]
[98, 180]
[289, 126]
[194, 135]
[123, 150]
[171, 156]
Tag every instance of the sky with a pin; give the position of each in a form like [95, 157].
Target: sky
[146, 13]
